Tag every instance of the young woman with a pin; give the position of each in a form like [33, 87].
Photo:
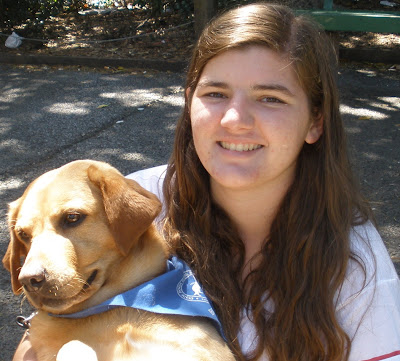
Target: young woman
[260, 201]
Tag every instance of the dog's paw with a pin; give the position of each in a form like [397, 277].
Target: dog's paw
[76, 351]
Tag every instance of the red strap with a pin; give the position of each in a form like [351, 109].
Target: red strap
[384, 357]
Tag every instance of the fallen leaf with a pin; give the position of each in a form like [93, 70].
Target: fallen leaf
[102, 106]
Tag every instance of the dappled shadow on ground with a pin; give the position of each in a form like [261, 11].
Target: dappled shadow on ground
[370, 106]
[49, 111]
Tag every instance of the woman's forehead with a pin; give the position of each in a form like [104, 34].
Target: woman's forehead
[255, 67]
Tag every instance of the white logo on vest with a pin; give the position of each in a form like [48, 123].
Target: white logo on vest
[189, 289]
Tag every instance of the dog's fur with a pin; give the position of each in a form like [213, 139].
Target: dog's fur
[81, 234]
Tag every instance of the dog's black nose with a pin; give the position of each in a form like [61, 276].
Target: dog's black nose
[37, 282]
[33, 282]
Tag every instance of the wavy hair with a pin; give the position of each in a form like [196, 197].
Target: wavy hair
[304, 258]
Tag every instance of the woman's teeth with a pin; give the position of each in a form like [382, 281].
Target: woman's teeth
[240, 147]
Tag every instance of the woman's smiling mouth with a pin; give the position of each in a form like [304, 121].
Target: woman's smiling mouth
[242, 147]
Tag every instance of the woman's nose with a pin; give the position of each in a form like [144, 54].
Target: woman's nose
[238, 115]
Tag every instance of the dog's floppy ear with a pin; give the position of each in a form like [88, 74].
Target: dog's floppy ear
[130, 209]
[15, 251]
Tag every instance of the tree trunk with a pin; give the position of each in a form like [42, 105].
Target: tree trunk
[204, 10]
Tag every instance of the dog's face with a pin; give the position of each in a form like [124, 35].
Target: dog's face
[70, 228]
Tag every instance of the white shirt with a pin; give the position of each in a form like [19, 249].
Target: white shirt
[369, 314]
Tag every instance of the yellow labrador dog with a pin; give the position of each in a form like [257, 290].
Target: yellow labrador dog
[80, 235]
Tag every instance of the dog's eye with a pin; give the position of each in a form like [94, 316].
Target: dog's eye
[73, 219]
[25, 237]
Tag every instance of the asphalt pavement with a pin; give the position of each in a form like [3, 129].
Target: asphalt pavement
[50, 116]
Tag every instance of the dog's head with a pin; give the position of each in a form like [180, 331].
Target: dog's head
[71, 229]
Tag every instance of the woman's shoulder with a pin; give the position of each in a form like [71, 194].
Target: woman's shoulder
[368, 306]
[151, 179]
[368, 248]
[149, 173]
[369, 268]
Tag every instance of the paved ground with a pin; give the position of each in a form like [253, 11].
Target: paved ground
[49, 117]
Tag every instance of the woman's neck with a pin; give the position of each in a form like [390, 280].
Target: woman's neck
[252, 211]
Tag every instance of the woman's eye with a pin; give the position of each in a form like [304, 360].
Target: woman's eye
[271, 100]
[215, 95]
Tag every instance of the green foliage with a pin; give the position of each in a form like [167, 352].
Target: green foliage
[15, 12]
[158, 7]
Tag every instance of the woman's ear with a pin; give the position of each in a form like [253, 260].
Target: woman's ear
[316, 129]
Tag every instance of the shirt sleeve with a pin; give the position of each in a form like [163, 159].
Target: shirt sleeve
[369, 306]
[152, 179]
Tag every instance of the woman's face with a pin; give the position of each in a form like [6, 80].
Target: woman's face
[250, 118]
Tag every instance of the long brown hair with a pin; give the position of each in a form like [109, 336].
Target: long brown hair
[305, 257]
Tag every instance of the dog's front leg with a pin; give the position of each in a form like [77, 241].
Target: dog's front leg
[76, 351]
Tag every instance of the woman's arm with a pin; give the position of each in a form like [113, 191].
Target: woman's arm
[24, 350]
[369, 306]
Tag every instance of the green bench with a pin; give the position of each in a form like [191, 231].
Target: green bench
[347, 20]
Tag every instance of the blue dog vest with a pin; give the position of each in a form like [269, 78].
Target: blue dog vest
[175, 292]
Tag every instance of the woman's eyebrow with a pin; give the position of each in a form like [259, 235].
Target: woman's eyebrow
[211, 83]
[276, 87]
[258, 87]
